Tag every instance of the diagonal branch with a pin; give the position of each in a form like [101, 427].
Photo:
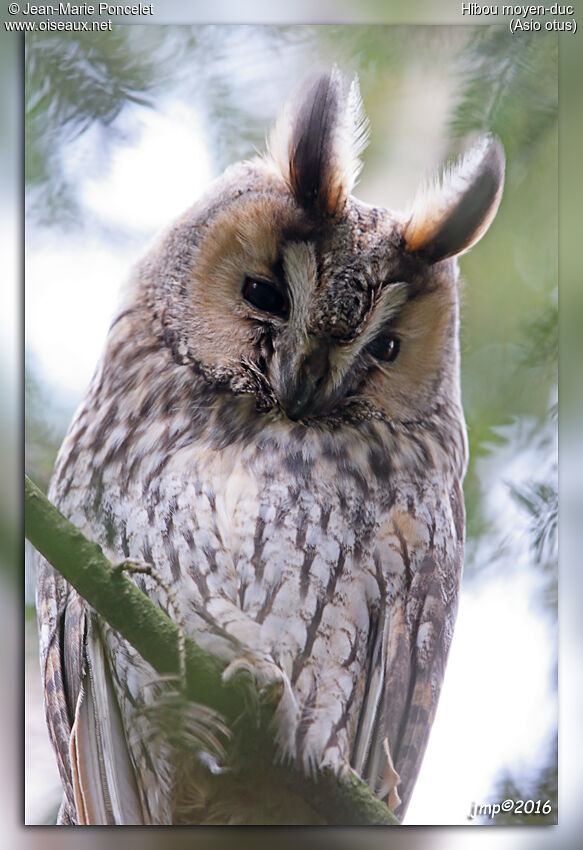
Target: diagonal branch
[346, 802]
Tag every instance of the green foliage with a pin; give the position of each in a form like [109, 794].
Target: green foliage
[542, 503]
[540, 343]
[509, 87]
[44, 423]
[540, 500]
[543, 787]
[72, 84]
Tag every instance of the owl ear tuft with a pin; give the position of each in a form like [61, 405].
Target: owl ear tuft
[450, 215]
[317, 141]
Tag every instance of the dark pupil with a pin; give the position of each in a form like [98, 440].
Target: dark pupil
[264, 296]
[384, 348]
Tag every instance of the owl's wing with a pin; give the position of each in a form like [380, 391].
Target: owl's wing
[82, 711]
[51, 601]
[415, 662]
[407, 664]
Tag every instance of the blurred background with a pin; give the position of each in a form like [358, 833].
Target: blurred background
[124, 130]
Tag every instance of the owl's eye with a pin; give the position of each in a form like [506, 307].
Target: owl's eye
[385, 348]
[265, 296]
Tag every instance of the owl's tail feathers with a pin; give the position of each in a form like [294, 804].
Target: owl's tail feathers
[104, 784]
[391, 779]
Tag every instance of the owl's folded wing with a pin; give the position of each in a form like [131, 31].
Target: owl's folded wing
[416, 658]
[407, 660]
[51, 602]
[82, 712]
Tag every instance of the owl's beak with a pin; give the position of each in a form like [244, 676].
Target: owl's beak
[303, 386]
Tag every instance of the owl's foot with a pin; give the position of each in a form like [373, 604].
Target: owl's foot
[273, 689]
[269, 678]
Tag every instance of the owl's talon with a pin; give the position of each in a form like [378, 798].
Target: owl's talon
[271, 694]
[235, 669]
[265, 673]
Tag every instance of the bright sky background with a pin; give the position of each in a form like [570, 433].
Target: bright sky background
[497, 707]
[73, 282]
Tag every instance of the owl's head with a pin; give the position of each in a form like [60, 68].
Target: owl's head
[280, 286]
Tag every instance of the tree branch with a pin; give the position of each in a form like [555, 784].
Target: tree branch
[346, 802]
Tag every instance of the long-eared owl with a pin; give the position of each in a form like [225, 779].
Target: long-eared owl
[275, 426]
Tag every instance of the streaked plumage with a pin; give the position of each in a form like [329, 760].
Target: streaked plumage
[276, 426]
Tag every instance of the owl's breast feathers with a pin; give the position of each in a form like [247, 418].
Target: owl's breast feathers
[336, 551]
